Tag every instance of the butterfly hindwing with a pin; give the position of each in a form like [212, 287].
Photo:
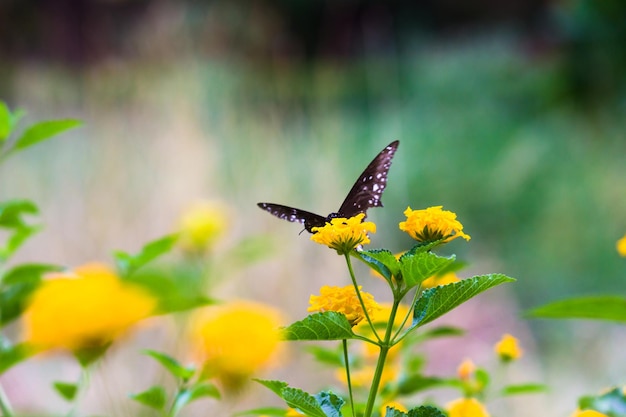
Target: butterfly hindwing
[292, 214]
[368, 188]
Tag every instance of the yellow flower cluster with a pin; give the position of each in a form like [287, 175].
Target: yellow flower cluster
[432, 224]
[508, 348]
[343, 300]
[466, 407]
[235, 340]
[344, 235]
[202, 225]
[621, 246]
[86, 308]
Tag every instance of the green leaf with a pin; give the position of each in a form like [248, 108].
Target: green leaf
[197, 391]
[416, 383]
[425, 411]
[5, 121]
[16, 240]
[482, 378]
[329, 325]
[519, 389]
[17, 285]
[435, 302]
[128, 264]
[610, 308]
[155, 397]
[331, 404]
[12, 212]
[11, 355]
[380, 260]
[66, 390]
[612, 403]
[332, 357]
[42, 131]
[274, 385]
[268, 411]
[416, 267]
[172, 365]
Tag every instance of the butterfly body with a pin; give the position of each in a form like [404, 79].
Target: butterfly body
[365, 193]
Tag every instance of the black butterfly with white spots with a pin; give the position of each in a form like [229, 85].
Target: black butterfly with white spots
[365, 193]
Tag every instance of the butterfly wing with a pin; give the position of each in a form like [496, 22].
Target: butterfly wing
[368, 188]
[291, 214]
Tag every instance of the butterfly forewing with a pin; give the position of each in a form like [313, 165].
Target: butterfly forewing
[294, 215]
[368, 188]
[365, 193]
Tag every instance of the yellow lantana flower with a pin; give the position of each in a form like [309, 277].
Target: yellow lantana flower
[436, 280]
[432, 224]
[83, 309]
[202, 225]
[235, 340]
[621, 246]
[588, 413]
[466, 407]
[508, 348]
[343, 300]
[343, 234]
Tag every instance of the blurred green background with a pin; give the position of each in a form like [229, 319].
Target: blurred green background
[510, 114]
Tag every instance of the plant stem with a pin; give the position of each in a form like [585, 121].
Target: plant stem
[4, 404]
[347, 363]
[358, 294]
[380, 365]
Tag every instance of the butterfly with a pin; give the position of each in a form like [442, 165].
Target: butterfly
[365, 193]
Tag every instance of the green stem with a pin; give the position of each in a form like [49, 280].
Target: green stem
[82, 385]
[346, 361]
[358, 294]
[406, 317]
[5, 406]
[380, 365]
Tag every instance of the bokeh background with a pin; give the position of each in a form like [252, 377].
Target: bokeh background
[512, 114]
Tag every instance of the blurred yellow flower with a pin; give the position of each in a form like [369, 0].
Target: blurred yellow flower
[436, 280]
[343, 300]
[508, 348]
[432, 224]
[343, 234]
[293, 413]
[83, 309]
[202, 224]
[363, 376]
[466, 369]
[621, 246]
[392, 404]
[235, 340]
[588, 413]
[466, 407]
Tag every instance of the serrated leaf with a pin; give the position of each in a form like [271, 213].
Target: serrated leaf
[274, 385]
[303, 402]
[154, 397]
[331, 404]
[128, 264]
[612, 403]
[42, 131]
[519, 389]
[13, 211]
[435, 302]
[17, 285]
[420, 266]
[329, 325]
[172, 365]
[425, 411]
[268, 411]
[610, 308]
[66, 390]
[380, 260]
[11, 355]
